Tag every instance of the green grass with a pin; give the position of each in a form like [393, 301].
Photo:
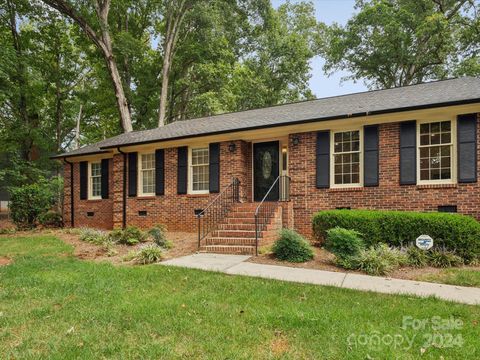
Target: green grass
[55, 306]
[462, 277]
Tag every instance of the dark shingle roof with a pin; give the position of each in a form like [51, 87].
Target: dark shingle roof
[438, 93]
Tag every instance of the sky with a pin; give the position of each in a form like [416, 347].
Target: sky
[329, 11]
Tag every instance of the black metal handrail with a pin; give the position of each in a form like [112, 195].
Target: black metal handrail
[216, 210]
[265, 209]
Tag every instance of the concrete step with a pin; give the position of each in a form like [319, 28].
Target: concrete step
[248, 227]
[239, 220]
[228, 249]
[231, 241]
[234, 233]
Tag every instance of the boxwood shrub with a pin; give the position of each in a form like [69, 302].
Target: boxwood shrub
[453, 232]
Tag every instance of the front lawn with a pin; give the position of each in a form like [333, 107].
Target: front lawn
[53, 305]
[463, 277]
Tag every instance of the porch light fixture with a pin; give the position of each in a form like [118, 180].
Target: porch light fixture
[296, 140]
[232, 147]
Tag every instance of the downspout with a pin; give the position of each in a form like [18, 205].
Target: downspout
[124, 204]
[72, 215]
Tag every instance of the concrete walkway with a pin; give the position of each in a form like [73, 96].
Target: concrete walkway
[236, 265]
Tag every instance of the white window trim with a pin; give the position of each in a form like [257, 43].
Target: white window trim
[140, 175]
[90, 182]
[190, 170]
[453, 171]
[332, 163]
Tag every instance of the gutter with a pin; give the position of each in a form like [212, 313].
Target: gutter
[124, 193]
[72, 214]
[299, 122]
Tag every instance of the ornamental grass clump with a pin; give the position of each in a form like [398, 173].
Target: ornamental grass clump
[148, 254]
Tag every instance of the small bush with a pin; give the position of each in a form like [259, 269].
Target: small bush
[157, 233]
[97, 237]
[109, 247]
[129, 236]
[454, 232]
[148, 254]
[380, 260]
[27, 203]
[444, 259]
[417, 257]
[344, 243]
[291, 246]
[51, 219]
[7, 231]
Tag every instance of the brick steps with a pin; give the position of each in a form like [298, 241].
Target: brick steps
[236, 233]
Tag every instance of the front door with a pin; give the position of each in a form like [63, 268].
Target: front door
[265, 170]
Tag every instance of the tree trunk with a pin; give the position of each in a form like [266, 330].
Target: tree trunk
[104, 44]
[175, 15]
[77, 127]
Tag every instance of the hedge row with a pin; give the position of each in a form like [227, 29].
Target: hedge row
[453, 232]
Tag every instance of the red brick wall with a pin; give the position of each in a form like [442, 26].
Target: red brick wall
[389, 195]
[177, 211]
[102, 209]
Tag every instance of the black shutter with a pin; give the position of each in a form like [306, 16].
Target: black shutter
[214, 167]
[83, 180]
[323, 159]
[160, 172]
[370, 161]
[182, 170]
[408, 153]
[105, 175]
[467, 148]
[132, 174]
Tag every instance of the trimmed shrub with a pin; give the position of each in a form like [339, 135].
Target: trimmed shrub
[148, 254]
[444, 259]
[292, 247]
[159, 237]
[417, 257]
[129, 236]
[380, 260]
[454, 232]
[344, 243]
[51, 219]
[94, 236]
[27, 203]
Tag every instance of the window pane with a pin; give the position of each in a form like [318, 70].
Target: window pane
[200, 175]
[435, 160]
[346, 157]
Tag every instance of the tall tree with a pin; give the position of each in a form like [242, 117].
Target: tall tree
[98, 18]
[390, 43]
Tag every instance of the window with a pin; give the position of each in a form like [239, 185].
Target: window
[346, 158]
[199, 180]
[147, 174]
[95, 183]
[435, 151]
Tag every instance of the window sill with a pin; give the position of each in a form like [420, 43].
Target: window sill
[345, 189]
[146, 197]
[94, 200]
[198, 195]
[436, 186]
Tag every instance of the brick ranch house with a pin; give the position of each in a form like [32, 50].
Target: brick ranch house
[409, 148]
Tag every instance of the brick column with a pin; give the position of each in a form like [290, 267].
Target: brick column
[118, 191]
[67, 214]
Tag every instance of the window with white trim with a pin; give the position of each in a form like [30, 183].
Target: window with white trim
[95, 181]
[436, 151]
[199, 170]
[147, 174]
[346, 158]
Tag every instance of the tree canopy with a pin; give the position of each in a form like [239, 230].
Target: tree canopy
[391, 43]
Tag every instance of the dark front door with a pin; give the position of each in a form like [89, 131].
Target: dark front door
[265, 170]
